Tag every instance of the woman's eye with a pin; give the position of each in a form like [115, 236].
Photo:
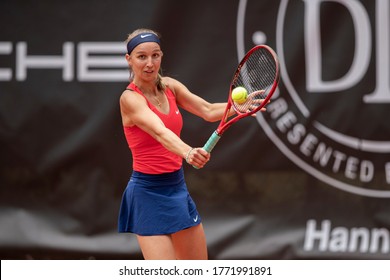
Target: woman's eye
[144, 57]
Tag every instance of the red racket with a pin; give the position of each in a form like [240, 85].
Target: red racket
[258, 73]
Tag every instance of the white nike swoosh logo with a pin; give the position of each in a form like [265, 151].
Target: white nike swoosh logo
[146, 35]
[196, 218]
[177, 112]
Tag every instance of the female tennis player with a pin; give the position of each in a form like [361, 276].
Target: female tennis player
[156, 205]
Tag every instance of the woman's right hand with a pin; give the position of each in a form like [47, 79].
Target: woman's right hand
[197, 157]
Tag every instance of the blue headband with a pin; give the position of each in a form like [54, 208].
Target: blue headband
[142, 38]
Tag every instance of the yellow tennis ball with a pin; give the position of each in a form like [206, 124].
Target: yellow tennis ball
[239, 95]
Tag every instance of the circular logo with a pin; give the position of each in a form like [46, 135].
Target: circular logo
[329, 115]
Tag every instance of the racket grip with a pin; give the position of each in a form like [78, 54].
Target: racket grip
[210, 144]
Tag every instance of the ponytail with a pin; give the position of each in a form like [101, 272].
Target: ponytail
[160, 85]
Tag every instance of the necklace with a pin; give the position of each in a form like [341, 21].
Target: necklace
[154, 96]
[158, 100]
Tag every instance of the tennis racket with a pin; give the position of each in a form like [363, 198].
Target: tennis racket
[258, 73]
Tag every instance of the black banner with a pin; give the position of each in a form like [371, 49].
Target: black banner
[308, 179]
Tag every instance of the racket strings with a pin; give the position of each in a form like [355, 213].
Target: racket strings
[257, 75]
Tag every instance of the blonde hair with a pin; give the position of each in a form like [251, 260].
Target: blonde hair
[159, 83]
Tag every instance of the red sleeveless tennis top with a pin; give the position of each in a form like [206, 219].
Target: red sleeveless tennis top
[149, 156]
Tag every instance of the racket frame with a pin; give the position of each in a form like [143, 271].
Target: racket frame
[225, 123]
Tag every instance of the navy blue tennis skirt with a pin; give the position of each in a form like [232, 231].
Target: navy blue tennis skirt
[157, 204]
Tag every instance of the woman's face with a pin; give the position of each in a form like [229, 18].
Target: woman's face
[145, 61]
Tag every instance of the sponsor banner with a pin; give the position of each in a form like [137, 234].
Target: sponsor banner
[307, 179]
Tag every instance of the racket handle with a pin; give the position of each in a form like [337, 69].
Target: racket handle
[210, 144]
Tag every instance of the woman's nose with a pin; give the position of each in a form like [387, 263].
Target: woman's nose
[149, 62]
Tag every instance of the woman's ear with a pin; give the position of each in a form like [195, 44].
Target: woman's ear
[128, 58]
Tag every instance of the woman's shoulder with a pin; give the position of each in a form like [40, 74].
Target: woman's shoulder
[129, 96]
[126, 93]
[169, 82]
[174, 85]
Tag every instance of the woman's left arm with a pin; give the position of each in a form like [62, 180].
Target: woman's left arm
[193, 103]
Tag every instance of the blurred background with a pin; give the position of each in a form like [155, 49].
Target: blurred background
[308, 179]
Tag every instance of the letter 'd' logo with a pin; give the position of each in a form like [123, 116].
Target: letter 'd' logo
[331, 113]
